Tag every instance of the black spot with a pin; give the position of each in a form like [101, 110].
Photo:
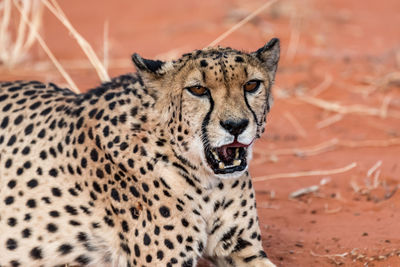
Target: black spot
[82, 259]
[4, 123]
[239, 59]
[160, 255]
[28, 130]
[54, 213]
[185, 222]
[11, 244]
[82, 237]
[36, 253]
[249, 259]
[65, 249]
[31, 203]
[137, 250]
[188, 263]
[32, 183]
[203, 63]
[71, 210]
[12, 221]
[125, 226]
[115, 195]
[168, 244]
[56, 192]
[51, 227]
[18, 119]
[9, 200]
[146, 239]
[53, 172]
[35, 105]
[94, 155]
[148, 258]
[11, 184]
[134, 191]
[164, 211]
[26, 233]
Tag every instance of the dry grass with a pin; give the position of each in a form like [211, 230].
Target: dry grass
[382, 112]
[46, 49]
[84, 45]
[305, 173]
[241, 23]
[326, 146]
[14, 49]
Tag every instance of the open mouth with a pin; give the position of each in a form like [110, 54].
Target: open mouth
[228, 158]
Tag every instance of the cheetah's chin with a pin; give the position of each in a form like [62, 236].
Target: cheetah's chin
[227, 158]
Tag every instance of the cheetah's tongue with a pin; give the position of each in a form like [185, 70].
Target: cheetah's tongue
[230, 152]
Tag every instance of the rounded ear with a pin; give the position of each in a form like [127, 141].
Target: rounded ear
[147, 65]
[269, 54]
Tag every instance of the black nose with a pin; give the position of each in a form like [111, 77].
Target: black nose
[235, 127]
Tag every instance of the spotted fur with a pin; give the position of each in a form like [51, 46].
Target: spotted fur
[117, 176]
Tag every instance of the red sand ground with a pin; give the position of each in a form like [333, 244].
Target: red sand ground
[343, 51]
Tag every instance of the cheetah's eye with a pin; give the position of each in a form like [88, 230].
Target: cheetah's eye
[251, 86]
[197, 90]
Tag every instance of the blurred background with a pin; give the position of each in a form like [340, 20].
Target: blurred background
[327, 169]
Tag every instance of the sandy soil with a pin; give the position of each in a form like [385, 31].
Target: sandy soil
[346, 52]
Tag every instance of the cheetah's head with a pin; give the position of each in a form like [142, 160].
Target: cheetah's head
[214, 103]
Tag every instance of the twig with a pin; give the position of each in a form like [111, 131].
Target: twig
[5, 21]
[305, 173]
[295, 124]
[332, 257]
[46, 49]
[85, 46]
[241, 23]
[304, 191]
[323, 85]
[328, 146]
[106, 48]
[385, 106]
[374, 168]
[295, 22]
[329, 121]
[353, 109]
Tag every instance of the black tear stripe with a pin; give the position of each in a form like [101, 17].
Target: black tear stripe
[252, 111]
[206, 121]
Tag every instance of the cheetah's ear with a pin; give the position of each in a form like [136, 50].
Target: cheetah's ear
[269, 55]
[147, 65]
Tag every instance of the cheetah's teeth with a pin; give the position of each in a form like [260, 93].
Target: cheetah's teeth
[215, 155]
[221, 165]
[237, 162]
[236, 154]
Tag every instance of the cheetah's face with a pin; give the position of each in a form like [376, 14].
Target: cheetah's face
[218, 101]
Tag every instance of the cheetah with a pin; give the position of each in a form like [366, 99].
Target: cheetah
[149, 169]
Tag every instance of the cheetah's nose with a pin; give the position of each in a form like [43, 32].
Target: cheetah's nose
[235, 127]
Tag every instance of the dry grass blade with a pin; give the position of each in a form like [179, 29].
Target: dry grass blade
[46, 49]
[328, 146]
[328, 79]
[296, 124]
[18, 44]
[13, 49]
[242, 22]
[5, 21]
[305, 173]
[353, 109]
[106, 47]
[332, 257]
[329, 121]
[85, 46]
[295, 22]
